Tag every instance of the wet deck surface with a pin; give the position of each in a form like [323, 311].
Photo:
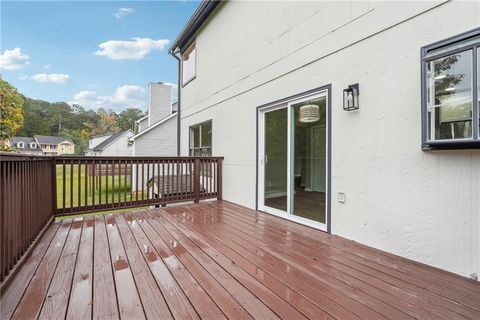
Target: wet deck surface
[219, 260]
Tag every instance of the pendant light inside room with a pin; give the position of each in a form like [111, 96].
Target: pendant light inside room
[309, 113]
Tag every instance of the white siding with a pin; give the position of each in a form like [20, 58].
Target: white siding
[143, 124]
[159, 141]
[421, 205]
[119, 147]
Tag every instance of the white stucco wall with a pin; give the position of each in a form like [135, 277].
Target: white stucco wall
[420, 205]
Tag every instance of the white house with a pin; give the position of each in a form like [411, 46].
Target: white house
[44, 145]
[157, 131]
[359, 118]
[115, 144]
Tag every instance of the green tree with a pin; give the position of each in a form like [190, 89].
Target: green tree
[11, 116]
[127, 118]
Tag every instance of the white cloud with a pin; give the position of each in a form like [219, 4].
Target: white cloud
[52, 77]
[134, 49]
[47, 66]
[22, 76]
[124, 97]
[123, 12]
[13, 59]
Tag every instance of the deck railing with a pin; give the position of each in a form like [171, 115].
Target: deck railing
[34, 189]
[87, 184]
[27, 205]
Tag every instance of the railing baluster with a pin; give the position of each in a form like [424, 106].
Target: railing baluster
[131, 182]
[71, 186]
[100, 173]
[79, 184]
[125, 183]
[148, 178]
[94, 181]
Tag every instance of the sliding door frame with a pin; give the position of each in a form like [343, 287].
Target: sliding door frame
[286, 103]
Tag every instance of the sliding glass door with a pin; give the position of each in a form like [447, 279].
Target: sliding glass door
[276, 159]
[293, 160]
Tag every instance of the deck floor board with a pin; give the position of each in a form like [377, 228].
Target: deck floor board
[217, 260]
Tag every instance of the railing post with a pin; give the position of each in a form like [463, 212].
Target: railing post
[54, 185]
[196, 181]
[219, 179]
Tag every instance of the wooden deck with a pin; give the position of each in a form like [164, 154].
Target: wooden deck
[219, 260]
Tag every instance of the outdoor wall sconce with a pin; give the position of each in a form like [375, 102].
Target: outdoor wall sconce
[350, 97]
[309, 113]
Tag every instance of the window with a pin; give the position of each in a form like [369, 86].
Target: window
[188, 64]
[20, 145]
[33, 145]
[201, 139]
[53, 147]
[450, 92]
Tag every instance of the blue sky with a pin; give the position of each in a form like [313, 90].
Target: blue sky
[92, 53]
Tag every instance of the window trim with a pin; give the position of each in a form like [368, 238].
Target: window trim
[194, 45]
[190, 128]
[21, 145]
[33, 145]
[474, 142]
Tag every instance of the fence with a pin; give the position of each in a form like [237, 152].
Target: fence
[27, 205]
[87, 184]
[34, 189]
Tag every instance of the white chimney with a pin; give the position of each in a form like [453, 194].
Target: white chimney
[159, 102]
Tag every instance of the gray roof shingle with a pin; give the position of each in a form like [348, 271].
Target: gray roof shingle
[51, 139]
[105, 143]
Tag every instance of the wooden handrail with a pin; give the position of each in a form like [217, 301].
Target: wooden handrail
[34, 189]
[88, 184]
[27, 206]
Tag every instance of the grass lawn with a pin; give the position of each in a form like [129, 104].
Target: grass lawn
[84, 190]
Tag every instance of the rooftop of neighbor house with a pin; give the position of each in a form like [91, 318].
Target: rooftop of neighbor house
[27, 141]
[217, 260]
[52, 139]
[109, 140]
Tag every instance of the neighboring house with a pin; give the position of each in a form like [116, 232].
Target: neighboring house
[115, 144]
[399, 172]
[55, 146]
[46, 145]
[26, 145]
[157, 131]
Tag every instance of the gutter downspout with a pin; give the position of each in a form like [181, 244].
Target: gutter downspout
[178, 102]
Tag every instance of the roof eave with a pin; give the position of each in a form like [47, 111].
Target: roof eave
[200, 15]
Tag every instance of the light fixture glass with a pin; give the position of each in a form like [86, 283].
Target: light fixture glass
[309, 113]
[350, 97]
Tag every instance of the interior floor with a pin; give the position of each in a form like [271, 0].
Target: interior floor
[307, 204]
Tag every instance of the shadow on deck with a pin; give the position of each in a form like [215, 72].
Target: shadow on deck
[219, 260]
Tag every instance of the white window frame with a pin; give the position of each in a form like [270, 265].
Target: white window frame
[188, 52]
[33, 145]
[466, 41]
[20, 145]
[288, 104]
[191, 147]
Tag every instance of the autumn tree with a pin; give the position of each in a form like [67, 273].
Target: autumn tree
[11, 115]
[127, 118]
